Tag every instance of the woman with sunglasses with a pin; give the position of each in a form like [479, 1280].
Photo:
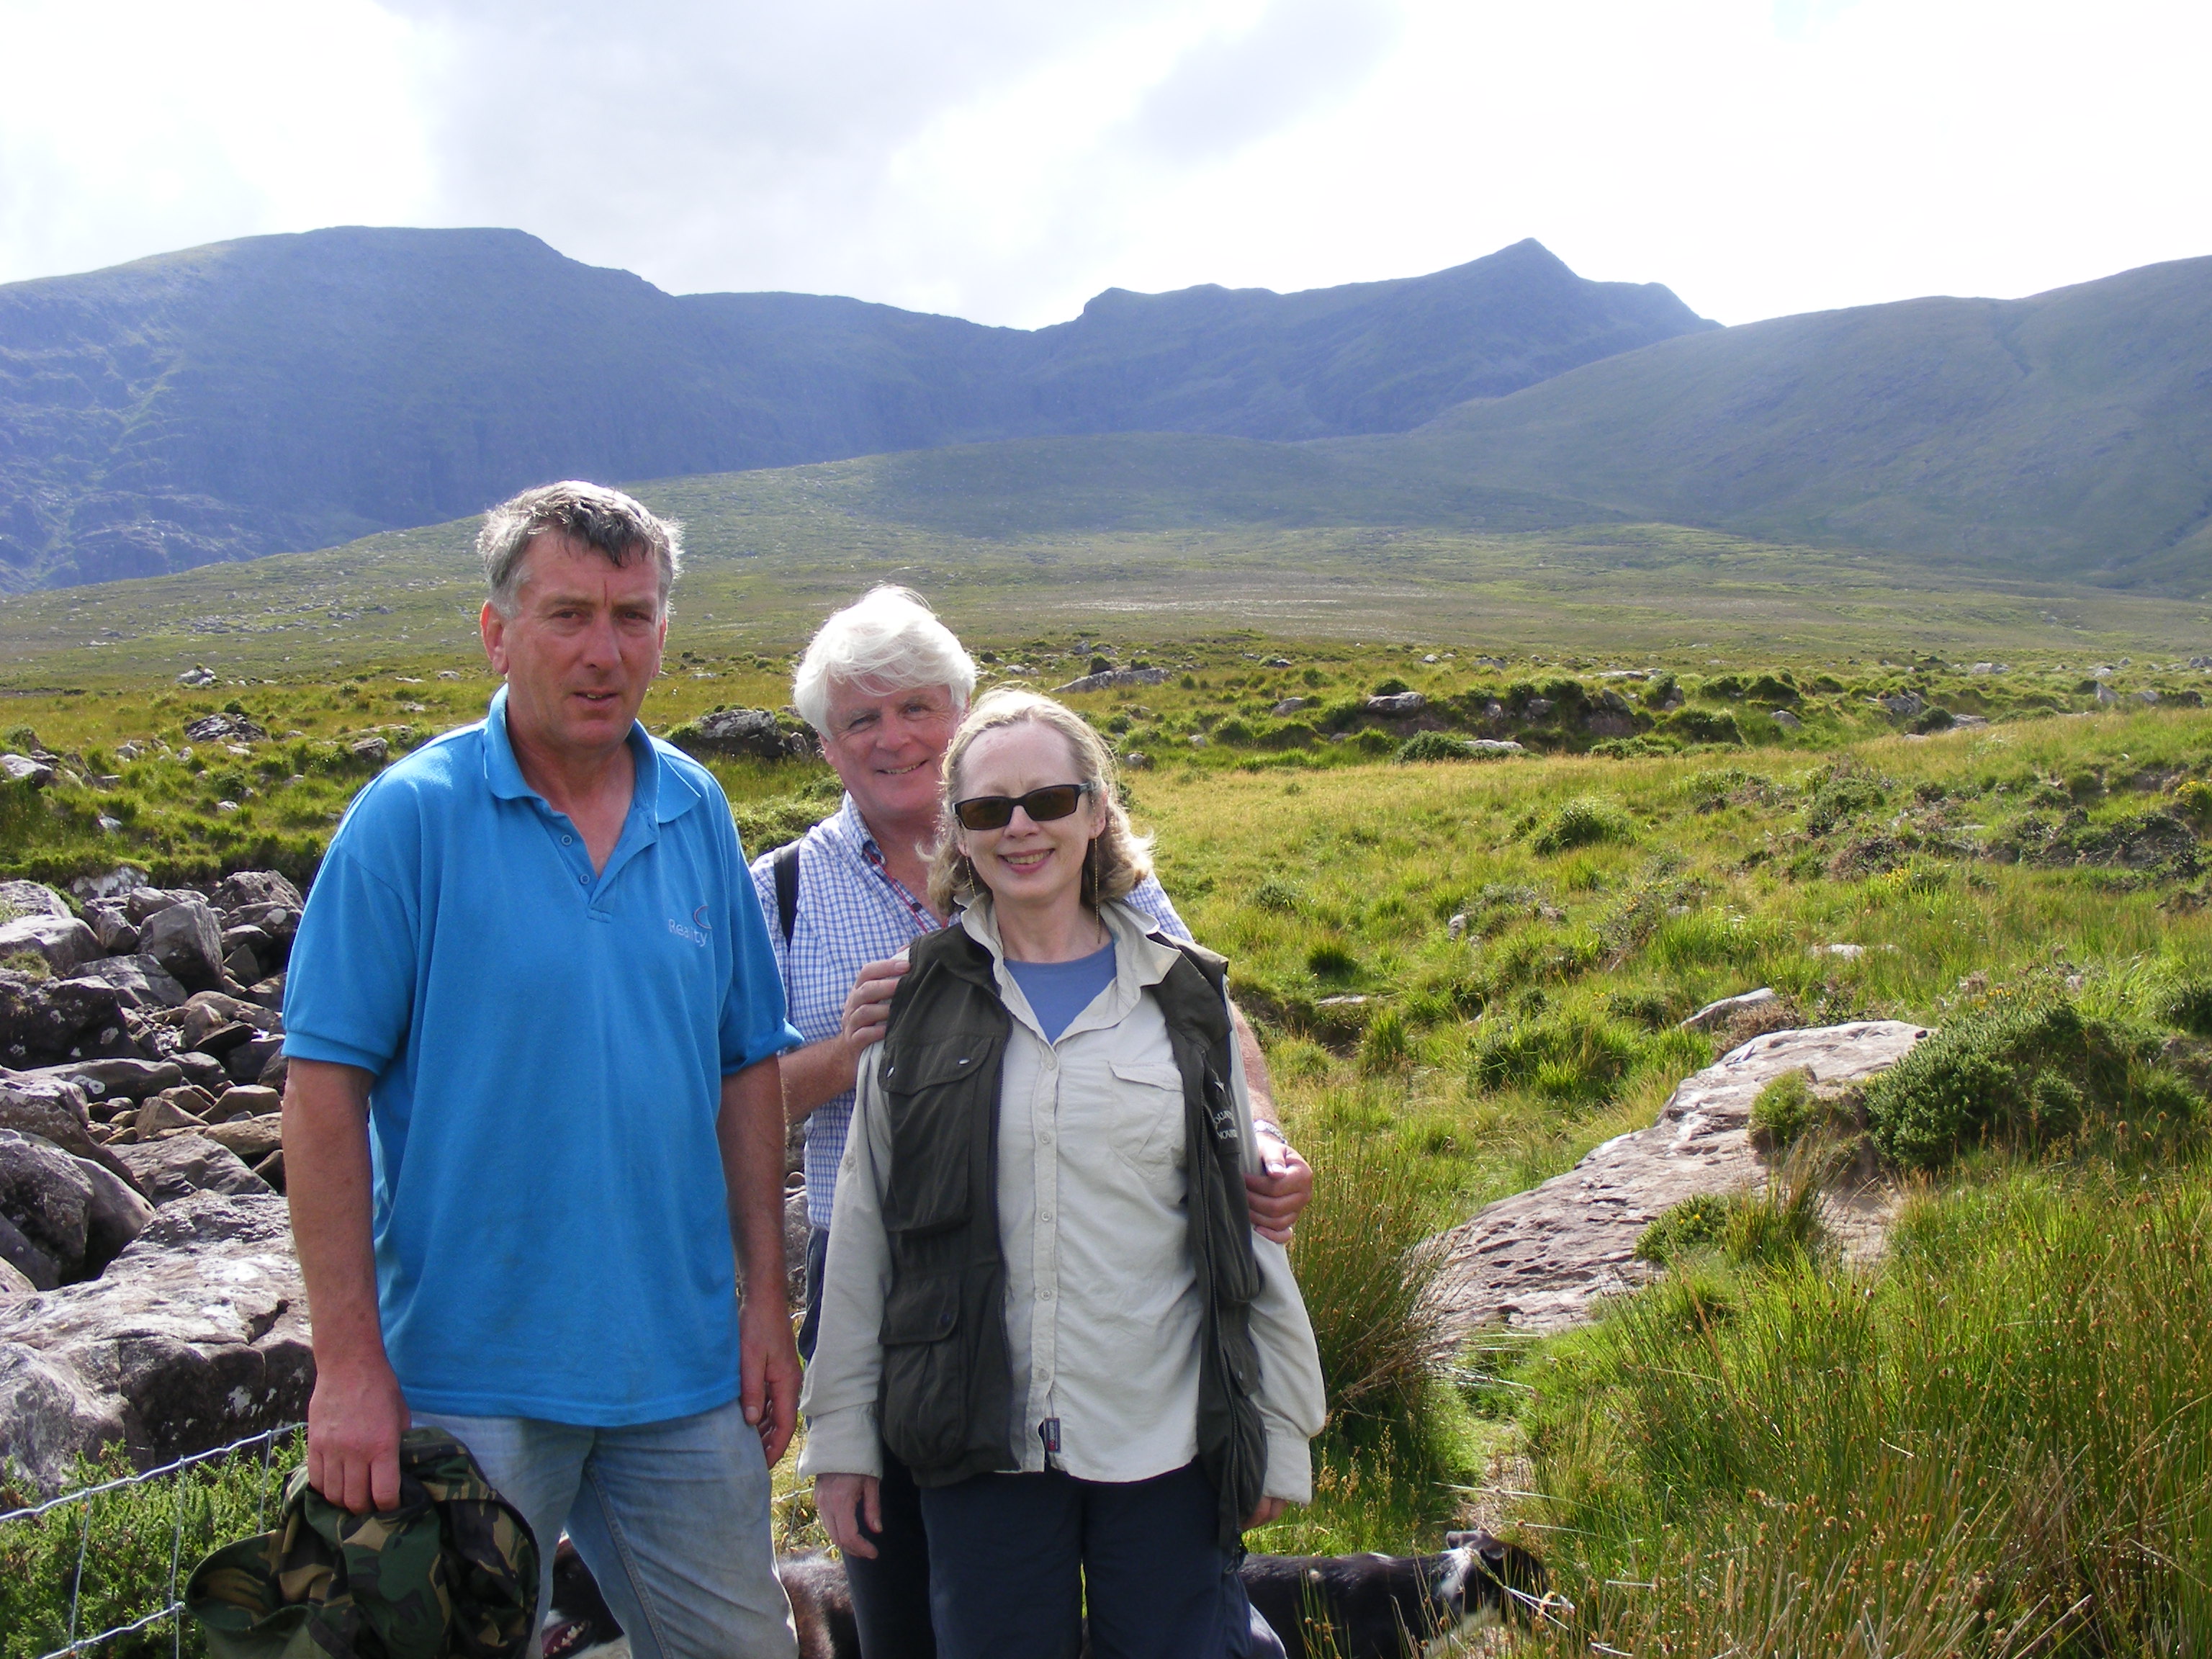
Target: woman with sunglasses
[1043, 1293]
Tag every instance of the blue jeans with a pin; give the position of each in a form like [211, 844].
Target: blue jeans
[672, 1519]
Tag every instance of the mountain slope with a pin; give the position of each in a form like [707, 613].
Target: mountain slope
[2068, 433]
[292, 392]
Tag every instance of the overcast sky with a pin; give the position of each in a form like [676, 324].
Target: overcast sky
[1004, 160]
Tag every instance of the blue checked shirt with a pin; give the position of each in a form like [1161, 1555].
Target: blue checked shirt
[851, 913]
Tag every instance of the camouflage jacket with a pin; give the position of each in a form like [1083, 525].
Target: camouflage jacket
[452, 1571]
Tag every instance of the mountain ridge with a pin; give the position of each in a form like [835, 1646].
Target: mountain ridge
[279, 394]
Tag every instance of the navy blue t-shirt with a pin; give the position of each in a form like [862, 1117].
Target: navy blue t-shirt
[1059, 991]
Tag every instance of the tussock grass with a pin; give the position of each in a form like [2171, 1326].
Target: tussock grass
[2000, 1444]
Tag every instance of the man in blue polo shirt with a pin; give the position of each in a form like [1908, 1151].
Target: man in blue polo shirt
[533, 1100]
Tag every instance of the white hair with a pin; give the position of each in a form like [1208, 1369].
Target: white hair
[889, 640]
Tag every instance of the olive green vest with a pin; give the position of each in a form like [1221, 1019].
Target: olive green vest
[946, 1399]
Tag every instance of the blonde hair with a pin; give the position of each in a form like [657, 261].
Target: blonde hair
[1119, 857]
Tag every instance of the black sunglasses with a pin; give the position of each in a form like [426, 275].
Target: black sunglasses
[1055, 800]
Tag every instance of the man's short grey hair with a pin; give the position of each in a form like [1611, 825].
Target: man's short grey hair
[889, 640]
[605, 520]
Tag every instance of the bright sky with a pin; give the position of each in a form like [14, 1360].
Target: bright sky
[1004, 160]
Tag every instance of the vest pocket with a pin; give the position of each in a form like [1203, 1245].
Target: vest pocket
[928, 1089]
[923, 1410]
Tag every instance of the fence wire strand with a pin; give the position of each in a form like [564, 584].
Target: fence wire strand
[174, 1607]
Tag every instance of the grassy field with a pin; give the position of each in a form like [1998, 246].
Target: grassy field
[1470, 972]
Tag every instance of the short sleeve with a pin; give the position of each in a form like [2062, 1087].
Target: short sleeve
[1149, 896]
[754, 1021]
[349, 985]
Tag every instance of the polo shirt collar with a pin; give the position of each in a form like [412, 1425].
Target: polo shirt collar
[661, 791]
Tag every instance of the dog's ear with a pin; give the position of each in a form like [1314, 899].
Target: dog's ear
[1480, 1541]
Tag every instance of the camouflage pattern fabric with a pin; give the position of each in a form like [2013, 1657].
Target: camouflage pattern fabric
[452, 1571]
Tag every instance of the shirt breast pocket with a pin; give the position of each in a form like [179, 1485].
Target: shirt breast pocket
[1146, 1124]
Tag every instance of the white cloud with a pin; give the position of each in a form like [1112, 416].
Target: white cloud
[1005, 159]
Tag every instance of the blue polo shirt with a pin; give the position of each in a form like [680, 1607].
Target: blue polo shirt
[547, 1045]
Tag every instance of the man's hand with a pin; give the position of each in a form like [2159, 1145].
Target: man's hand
[1282, 1189]
[868, 1004]
[355, 1419]
[1270, 1511]
[770, 1376]
[846, 1502]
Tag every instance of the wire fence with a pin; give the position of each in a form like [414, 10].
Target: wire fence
[34, 1542]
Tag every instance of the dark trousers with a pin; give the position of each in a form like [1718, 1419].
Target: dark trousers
[1014, 1559]
[891, 1594]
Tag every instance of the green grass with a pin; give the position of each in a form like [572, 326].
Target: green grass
[2000, 1444]
[129, 1539]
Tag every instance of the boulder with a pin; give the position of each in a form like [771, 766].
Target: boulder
[247, 1063]
[1541, 1260]
[139, 980]
[114, 1079]
[1903, 704]
[1499, 747]
[224, 728]
[196, 1336]
[141, 904]
[1718, 1013]
[167, 1171]
[52, 1109]
[21, 769]
[1787, 720]
[177, 1108]
[251, 1138]
[116, 884]
[45, 1017]
[187, 941]
[205, 1069]
[48, 1198]
[64, 943]
[31, 898]
[749, 732]
[1397, 705]
[111, 926]
[36, 1268]
[1113, 679]
[249, 1101]
[119, 1214]
[1290, 706]
[375, 750]
[249, 887]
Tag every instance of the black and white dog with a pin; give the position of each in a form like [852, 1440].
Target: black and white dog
[1373, 1606]
[1393, 1606]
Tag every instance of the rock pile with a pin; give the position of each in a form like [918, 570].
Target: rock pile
[138, 1102]
[742, 732]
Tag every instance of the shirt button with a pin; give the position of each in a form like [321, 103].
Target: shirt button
[567, 840]
[1044, 1216]
[1046, 1137]
[1045, 1295]
[586, 880]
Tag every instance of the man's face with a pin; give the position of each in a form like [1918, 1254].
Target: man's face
[581, 649]
[887, 748]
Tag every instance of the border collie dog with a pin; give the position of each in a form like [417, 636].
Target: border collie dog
[1391, 1606]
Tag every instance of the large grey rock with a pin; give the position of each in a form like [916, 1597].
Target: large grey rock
[1113, 679]
[36, 1267]
[1541, 1260]
[117, 884]
[1397, 704]
[139, 980]
[250, 888]
[53, 1111]
[1718, 1013]
[64, 942]
[186, 939]
[1903, 704]
[224, 728]
[48, 1197]
[46, 1017]
[21, 769]
[249, 1139]
[196, 1335]
[111, 926]
[169, 1170]
[141, 903]
[31, 898]
[118, 1214]
[114, 1079]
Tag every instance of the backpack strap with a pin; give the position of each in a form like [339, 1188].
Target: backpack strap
[786, 869]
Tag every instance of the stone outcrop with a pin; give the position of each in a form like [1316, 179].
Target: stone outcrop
[1114, 679]
[175, 1168]
[186, 939]
[1540, 1261]
[63, 943]
[196, 1335]
[45, 1198]
[748, 731]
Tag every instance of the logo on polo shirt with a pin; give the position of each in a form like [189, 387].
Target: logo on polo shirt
[697, 935]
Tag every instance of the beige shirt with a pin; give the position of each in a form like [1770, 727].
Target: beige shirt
[1101, 1296]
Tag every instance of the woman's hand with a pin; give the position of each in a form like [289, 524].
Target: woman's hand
[846, 1502]
[1270, 1511]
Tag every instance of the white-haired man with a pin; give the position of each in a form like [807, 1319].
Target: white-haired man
[533, 1017]
[886, 682]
